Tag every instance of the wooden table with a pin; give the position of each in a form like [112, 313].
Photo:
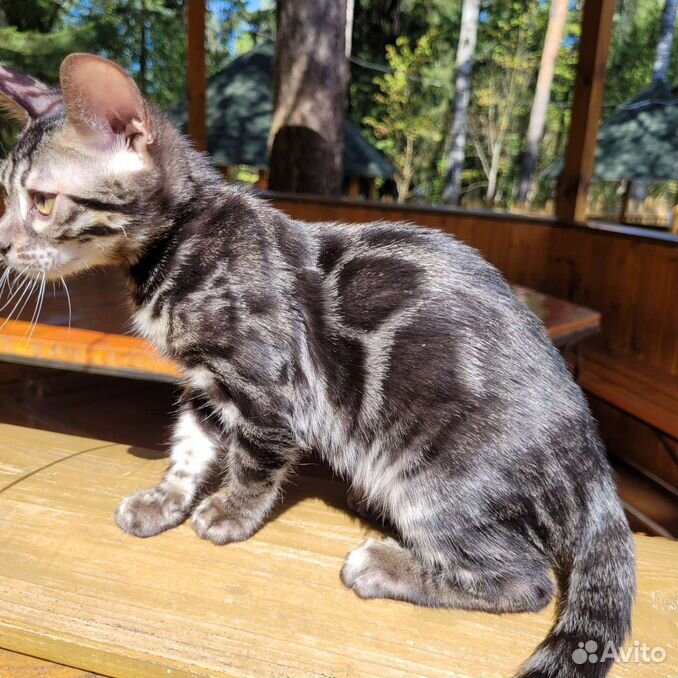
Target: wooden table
[100, 340]
[76, 590]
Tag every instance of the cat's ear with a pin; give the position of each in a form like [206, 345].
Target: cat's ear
[25, 98]
[101, 99]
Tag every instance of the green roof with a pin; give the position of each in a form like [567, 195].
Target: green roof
[239, 113]
[639, 141]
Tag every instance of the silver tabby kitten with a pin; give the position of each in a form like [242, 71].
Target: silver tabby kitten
[395, 351]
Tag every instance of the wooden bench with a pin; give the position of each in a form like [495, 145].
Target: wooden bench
[645, 456]
[636, 388]
[77, 591]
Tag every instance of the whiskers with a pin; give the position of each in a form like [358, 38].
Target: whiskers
[38, 307]
[20, 289]
[22, 293]
[68, 298]
[4, 281]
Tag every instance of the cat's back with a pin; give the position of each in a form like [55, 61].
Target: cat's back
[432, 312]
[376, 272]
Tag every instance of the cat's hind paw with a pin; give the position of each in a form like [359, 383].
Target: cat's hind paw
[381, 569]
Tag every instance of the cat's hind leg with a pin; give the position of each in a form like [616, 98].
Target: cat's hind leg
[195, 449]
[386, 569]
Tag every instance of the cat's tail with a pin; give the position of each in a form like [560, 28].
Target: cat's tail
[597, 588]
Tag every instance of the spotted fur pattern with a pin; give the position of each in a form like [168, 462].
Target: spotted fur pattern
[396, 352]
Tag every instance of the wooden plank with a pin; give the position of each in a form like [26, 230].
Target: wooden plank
[639, 445]
[594, 43]
[84, 350]
[634, 402]
[24, 462]
[564, 321]
[647, 394]
[76, 589]
[196, 77]
[14, 665]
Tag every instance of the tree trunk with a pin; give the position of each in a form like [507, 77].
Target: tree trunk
[493, 174]
[143, 51]
[311, 75]
[662, 57]
[542, 95]
[468, 34]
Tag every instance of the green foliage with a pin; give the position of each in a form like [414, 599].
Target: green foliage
[410, 126]
[510, 39]
[409, 45]
[40, 16]
[146, 37]
[233, 29]
[634, 38]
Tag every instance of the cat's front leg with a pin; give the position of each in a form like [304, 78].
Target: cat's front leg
[195, 448]
[258, 463]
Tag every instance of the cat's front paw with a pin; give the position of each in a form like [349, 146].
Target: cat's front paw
[213, 520]
[149, 512]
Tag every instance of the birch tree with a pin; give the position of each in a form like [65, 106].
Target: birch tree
[468, 35]
[662, 58]
[542, 95]
[498, 95]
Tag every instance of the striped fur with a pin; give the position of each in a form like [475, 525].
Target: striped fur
[395, 351]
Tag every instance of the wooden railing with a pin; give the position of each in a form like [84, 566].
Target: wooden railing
[629, 275]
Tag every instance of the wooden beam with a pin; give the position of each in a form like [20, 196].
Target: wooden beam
[196, 76]
[594, 43]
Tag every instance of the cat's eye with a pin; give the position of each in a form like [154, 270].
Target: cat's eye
[44, 202]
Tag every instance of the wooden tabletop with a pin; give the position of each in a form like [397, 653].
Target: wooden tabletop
[565, 322]
[75, 589]
[99, 339]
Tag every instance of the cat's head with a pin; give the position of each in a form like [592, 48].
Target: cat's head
[82, 165]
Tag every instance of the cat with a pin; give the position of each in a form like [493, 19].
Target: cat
[396, 352]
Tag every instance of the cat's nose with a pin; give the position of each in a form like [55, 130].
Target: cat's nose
[4, 249]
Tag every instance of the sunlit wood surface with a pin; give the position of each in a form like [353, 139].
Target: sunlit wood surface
[99, 340]
[76, 590]
[15, 665]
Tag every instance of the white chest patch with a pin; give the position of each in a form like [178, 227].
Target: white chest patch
[155, 329]
[199, 378]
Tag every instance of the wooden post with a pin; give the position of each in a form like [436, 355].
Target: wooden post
[354, 187]
[372, 189]
[624, 207]
[262, 181]
[196, 76]
[594, 43]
